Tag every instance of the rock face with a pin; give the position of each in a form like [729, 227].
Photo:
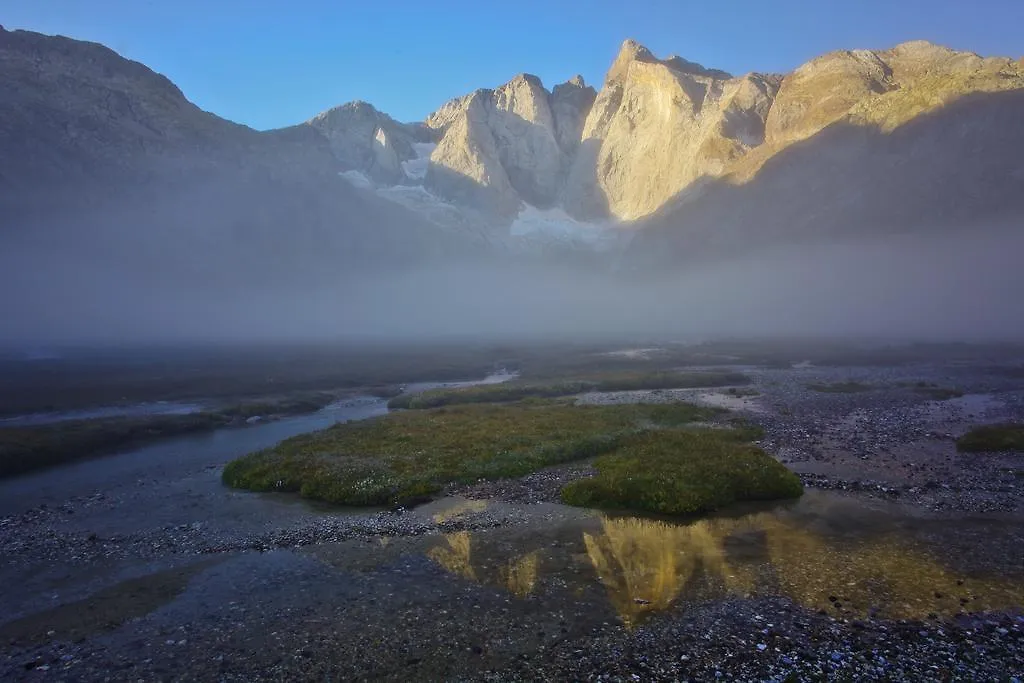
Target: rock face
[104, 157]
[570, 103]
[665, 133]
[367, 140]
[465, 167]
[656, 127]
[699, 160]
[507, 142]
[67, 106]
[821, 91]
[916, 138]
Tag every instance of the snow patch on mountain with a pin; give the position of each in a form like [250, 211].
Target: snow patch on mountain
[416, 169]
[557, 224]
[357, 179]
[531, 226]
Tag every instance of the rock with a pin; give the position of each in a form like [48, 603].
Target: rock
[521, 120]
[439, 120]
[503, 142]
[570, 103]
[823, 90]
[705, 163]
[367, 140]
[465, 167]
[98, 146]
[915, 137]
[656, 127]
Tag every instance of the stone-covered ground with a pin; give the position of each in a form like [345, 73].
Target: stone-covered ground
[172, 576]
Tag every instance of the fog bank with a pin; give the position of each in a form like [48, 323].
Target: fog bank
[949, 287]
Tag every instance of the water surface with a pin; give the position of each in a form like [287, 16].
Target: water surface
[825, 552]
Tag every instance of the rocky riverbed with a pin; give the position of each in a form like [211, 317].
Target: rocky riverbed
[903, 560]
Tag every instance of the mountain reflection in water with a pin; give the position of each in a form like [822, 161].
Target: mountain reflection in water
[821, 556]
[517, 575]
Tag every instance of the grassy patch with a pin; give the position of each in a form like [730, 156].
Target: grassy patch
[647, 456]
[840, 387]
[516, 390]
[995, 437]
[288, 405]
[407, 456]
[683, 472]
[933, 391]
[23, 449]
[741, 392]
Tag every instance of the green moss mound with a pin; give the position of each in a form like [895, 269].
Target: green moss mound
[992, 438]
[683, 472]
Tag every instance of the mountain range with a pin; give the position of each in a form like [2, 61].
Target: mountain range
[669, 163]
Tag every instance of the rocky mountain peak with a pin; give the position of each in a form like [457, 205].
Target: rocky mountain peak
[824, 89]
[525, 96]
[506, 139]
[69, 107]
[684, 66]
[570, 103]
[365, 139]
[661, 137]
[920, 48]
[526, 79]
[630, 51]
[656, 126]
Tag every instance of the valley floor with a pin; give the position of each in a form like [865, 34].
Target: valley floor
[904, 559]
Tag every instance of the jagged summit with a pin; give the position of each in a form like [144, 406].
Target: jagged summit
[656, 136]
[632, 51]
[659, 126]
[923, 47]
[529, 79]
[677, 63]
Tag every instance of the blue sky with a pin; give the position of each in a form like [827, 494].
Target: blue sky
[270, 63]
